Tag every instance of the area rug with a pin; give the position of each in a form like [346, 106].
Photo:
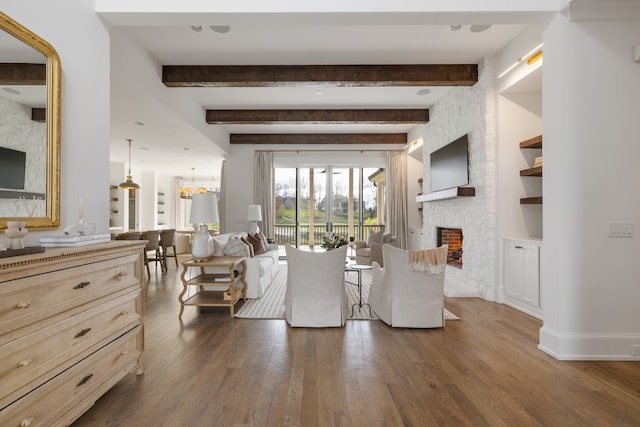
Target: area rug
[271, 304]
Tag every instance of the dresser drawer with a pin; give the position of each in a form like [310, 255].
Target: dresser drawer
[28, 361]
[31, 299]
[54, 402]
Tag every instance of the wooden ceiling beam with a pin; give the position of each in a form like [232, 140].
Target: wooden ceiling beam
[380, 116]
[22, 74]
[319, 75]
[319, 138]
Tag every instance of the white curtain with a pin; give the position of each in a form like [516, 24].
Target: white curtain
[396, 171]
[263, 191]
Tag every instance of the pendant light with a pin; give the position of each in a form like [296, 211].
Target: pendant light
[129, 184]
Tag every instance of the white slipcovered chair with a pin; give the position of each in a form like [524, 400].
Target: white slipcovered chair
[315, 295]
[404, 297]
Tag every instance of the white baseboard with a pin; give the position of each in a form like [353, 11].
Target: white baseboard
[584, 346]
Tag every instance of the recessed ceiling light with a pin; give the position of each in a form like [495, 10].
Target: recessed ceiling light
[139, 123]
[318, 92]
[423, 92]
[196, 28]
[144, 148]
[455, 27]
[222, 29]
[187, 148]
[479, 28]
[11, 90]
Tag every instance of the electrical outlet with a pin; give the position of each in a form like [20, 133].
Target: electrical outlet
[635, 350]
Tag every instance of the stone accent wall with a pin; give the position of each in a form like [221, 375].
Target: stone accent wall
[467, 110]
[19, 132]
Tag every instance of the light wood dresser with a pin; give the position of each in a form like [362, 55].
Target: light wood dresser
[71, 326]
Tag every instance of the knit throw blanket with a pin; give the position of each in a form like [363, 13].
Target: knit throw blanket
[430, 260]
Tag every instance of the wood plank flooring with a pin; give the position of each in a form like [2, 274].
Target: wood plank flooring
[484, 370]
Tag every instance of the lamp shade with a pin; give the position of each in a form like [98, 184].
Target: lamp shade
[204, 208]
[254, 213]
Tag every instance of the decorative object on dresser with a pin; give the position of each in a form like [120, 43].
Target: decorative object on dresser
[16, 230]
[71, 322]
[254, 214]
[204, 210]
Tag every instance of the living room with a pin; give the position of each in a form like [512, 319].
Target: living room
[587, 273]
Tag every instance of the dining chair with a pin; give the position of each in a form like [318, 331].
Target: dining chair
[168, 240]
[153, 245]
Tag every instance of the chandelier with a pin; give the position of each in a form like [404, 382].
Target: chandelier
[188, 192]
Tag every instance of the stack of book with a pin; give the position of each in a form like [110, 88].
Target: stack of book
[64, 240]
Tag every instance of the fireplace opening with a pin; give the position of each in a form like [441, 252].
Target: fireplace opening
[452, 237]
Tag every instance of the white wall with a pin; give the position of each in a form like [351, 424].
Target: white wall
[414, 172]
[84, 54]
[591, 105]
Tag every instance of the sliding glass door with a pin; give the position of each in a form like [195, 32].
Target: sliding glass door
[311, 202]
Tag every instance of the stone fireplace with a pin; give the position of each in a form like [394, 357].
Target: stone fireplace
[452, 237]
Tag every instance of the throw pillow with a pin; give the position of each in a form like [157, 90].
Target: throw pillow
[265, 242]
[235, 247]
[249, 245]
[375, 238]
[256, 242]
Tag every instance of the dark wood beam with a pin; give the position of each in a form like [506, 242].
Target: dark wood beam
[319, 75]
[382, 116]
[39, 115]
[22, 74]
[318, 138]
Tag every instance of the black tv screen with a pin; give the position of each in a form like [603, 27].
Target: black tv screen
[450, 165]
[12, 164]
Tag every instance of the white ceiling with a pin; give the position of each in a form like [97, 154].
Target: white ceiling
[169, 127]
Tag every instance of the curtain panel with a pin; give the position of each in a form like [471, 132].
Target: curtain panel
[263, 190]
[396, 171]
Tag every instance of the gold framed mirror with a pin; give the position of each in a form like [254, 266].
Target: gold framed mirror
[30, 93]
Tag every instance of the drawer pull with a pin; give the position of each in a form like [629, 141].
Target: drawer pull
[123, 313]
[122, 275]
[82, 333]
[124, 352]
[81, 285]
[84, 380]
[24, 304]
[24, 363]
[26, 422]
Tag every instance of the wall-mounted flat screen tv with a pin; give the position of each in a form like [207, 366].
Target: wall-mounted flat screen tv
[12, 167]
[450, 165]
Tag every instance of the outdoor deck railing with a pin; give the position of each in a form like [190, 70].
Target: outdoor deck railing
[286, 234]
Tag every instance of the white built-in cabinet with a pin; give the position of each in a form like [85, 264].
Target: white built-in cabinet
[522, 275]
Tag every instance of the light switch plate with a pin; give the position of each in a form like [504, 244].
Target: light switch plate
[621, 229]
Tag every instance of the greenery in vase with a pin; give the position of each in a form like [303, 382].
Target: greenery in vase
[332, 241]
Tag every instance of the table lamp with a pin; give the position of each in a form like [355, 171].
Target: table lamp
[204, 210]
[255, 215]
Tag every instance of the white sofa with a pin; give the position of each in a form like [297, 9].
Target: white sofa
[261, 269]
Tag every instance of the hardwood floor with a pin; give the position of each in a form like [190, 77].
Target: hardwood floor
[484, 370]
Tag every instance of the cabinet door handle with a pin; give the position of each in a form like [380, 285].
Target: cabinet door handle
[82, 333]
[84, 380]
[81, 285]
[24, 363]
[24, 304]
[26, 422]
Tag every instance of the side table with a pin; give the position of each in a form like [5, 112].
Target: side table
[359, 268]
[232, 285]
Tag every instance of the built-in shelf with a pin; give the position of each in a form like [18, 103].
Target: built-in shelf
[450, 193]
[535, 142]
[531, 200]
[537, 171]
